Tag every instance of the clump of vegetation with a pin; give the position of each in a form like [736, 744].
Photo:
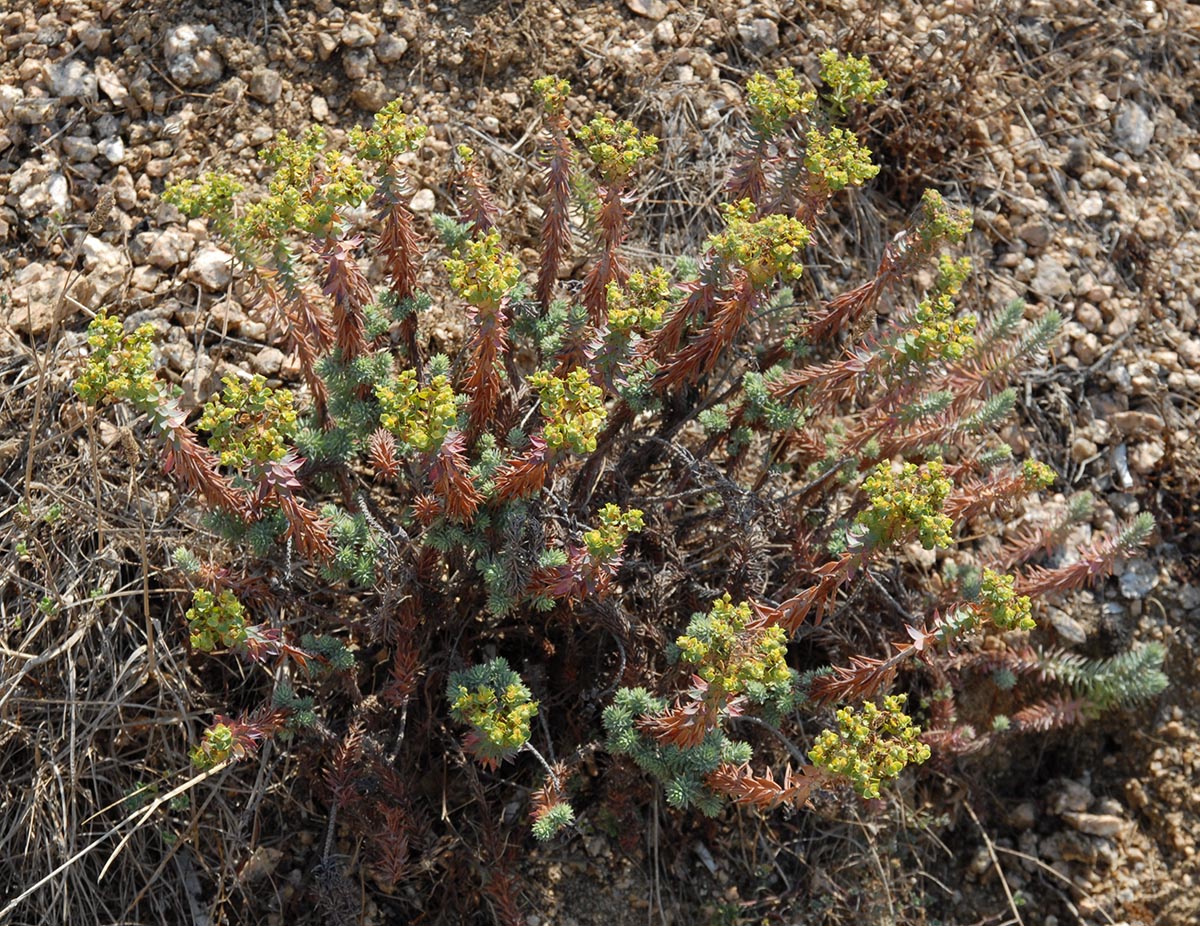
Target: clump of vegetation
[527, 496]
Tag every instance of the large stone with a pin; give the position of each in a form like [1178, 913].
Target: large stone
[358, 31]
[110, 82]
[37, 190]
[1136, 424]
[170, 248]
[211, 269]
[268, 361]
[1095, 824]
[651, 9]
[79, 150]
[1139, 579]
[107, 267]
[1051, 278]
[1133, 128]
[390, 48]
[371, 95]
[266, 85]
[112, 149]
[191, 55]
[35, 110]
[356, 62]
[35, 297]
[1069, 795]
[423, 201]
[71, 79]
[760, 36]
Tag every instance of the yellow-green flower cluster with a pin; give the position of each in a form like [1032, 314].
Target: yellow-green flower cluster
[951, 274]
[494, 701]
[1037, 475]
[481, 273]
[838, 159]
[848, 79]
[616, 148]
[211, 197]
[119, 366]
[615, 527]
[295, 159]
[727, 654]
[503, 718]
[871, 745]
[573, 409]
[292, 201]
[421, 416]
[393, 133]
[764, 247]
[554, 91]
[273, 216]
[999, 601]
[774, 101]
[344, 183]
[906, 501]
[216, 620]
[216, 747]
[937, 334]
[939, 222]
[643, 302]
[249, 423]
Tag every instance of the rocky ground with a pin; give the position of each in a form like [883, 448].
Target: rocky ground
[1070, 126]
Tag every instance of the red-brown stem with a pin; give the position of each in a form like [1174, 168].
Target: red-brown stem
[475, 202]
[307, 529]
[482, 384]
[305, 327]
[527, 474]
[579, 350]
[556, 224]
[699, 357]
[691, 719]
[608, 267]
[399, 243]
[814, 201]
[979, 495]
[1096, 562]
[581, 578]
[701, 298]
[748, 179]
[763, 791]
[196, 468]
[400, 246]
[816, 599]
[350, 292]
[451, 479]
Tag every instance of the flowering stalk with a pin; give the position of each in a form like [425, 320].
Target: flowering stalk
[774, 105]
[1095, 562]
[935, 224]
[734, 653]
[573, 413]
[616, 149]
[483, 276]
[759, 250]
[980, 495]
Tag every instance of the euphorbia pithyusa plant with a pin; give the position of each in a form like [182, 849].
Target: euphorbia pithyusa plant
[638, 490]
